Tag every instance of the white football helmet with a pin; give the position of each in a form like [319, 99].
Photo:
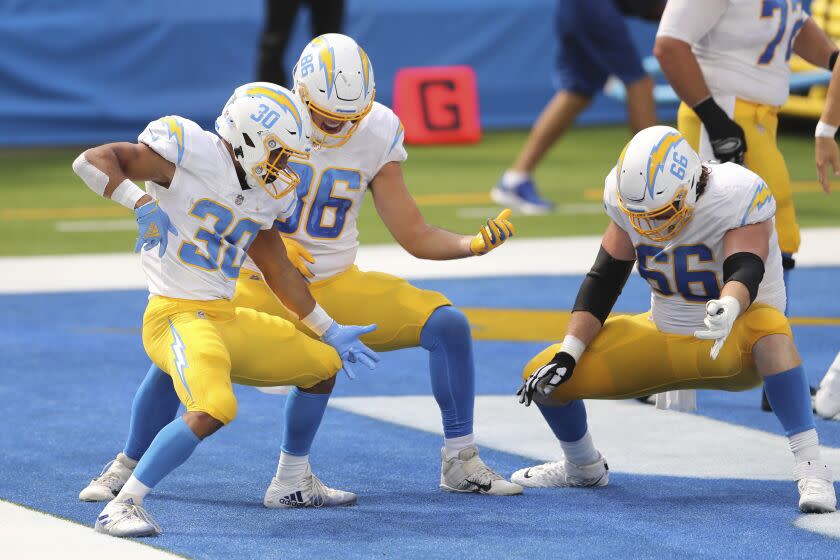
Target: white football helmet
[334, 79]
[657, 175]
[266, 125]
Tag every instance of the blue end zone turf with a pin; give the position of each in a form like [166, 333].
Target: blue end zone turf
[71, 363]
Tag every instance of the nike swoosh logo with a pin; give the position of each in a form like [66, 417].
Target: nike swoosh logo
[482, 487]
[527, 474]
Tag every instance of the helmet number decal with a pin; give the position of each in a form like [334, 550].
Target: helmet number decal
[265, 116]
[679, 166]
[306, 66]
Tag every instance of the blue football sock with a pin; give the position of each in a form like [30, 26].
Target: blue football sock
[567, 422]
[155, 405]
[303, 415]
[168, 451]
[446, 335]
[790, 397]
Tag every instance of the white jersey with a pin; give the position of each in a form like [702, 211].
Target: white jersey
[688, 271]
[743, 46]
[332, 189]
[216, 219]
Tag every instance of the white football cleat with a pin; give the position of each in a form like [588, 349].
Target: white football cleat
[306, 491]
[468, 473]
[126, 519]
[564, 474]
[110, 481]
[827, 399]
[816, 487]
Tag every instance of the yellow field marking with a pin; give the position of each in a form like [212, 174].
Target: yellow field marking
[62, 213]
[528, 325]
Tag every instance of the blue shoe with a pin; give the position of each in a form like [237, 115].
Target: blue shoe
[523, 197]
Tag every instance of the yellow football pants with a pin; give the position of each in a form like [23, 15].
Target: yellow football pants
[354, 297]
[630, 357]
[207, 345]
[763, 158]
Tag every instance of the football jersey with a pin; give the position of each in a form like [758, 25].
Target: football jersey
[332, 189]
[687, 271]
[215, 218]
[743, 46]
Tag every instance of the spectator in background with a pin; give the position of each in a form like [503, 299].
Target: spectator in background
[593, 43]
[326, 16]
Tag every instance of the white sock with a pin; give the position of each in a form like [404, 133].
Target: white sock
[453, 446]
[126, 460]
[292, 467]
[580, 452]
[133, 489]
[805, 446]
[512, 178]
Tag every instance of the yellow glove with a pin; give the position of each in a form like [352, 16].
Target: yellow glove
[297, 254]
[493, 234]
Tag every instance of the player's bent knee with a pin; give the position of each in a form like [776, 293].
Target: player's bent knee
[760, 321]
[220, 404]
[202, 423]
[322, 388]
[446, 324]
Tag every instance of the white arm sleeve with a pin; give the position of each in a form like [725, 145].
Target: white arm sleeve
[690, 20]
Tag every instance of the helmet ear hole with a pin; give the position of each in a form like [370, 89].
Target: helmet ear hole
[248, 140]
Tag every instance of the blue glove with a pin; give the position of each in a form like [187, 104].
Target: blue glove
[345, 340]
[154, 226]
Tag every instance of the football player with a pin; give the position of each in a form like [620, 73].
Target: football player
[703, 238]
[218, 198]
[729, 61]
[827, 400]
[359, 148]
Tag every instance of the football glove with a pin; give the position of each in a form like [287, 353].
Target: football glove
[154, 228]
[493, 234]
[547, 378]
[720, 316]
[351, 350]
[297, 254]
[725, 135]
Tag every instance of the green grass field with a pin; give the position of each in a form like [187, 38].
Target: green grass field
[45, 209]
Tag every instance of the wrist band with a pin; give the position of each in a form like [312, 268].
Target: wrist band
[318, 321]
[825, 130]
[127, 194]
[573, 346]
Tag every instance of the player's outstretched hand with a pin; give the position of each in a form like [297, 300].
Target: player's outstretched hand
[351, 350]
[493, 234]
[827, 154]
[154, 228]
[720, 316]
[297, 254]
[547, 378]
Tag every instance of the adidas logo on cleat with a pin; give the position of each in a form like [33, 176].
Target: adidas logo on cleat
[295, 499]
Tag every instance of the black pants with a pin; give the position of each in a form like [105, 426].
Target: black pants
[280, 15]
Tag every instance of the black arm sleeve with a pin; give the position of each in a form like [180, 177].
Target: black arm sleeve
[602, 285]
[746, 268]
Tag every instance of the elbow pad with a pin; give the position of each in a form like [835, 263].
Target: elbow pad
[746, 268]
[602, 285]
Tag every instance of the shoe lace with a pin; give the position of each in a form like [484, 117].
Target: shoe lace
[319, 492]
[135, 510]
[107, 476]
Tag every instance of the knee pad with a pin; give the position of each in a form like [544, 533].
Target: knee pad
[445, 323]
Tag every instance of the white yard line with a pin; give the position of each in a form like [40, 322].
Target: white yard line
[518, 257]
[32, 535]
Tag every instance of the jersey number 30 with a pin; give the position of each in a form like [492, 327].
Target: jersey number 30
[235, 238]
[324, 202]
[693, 285]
